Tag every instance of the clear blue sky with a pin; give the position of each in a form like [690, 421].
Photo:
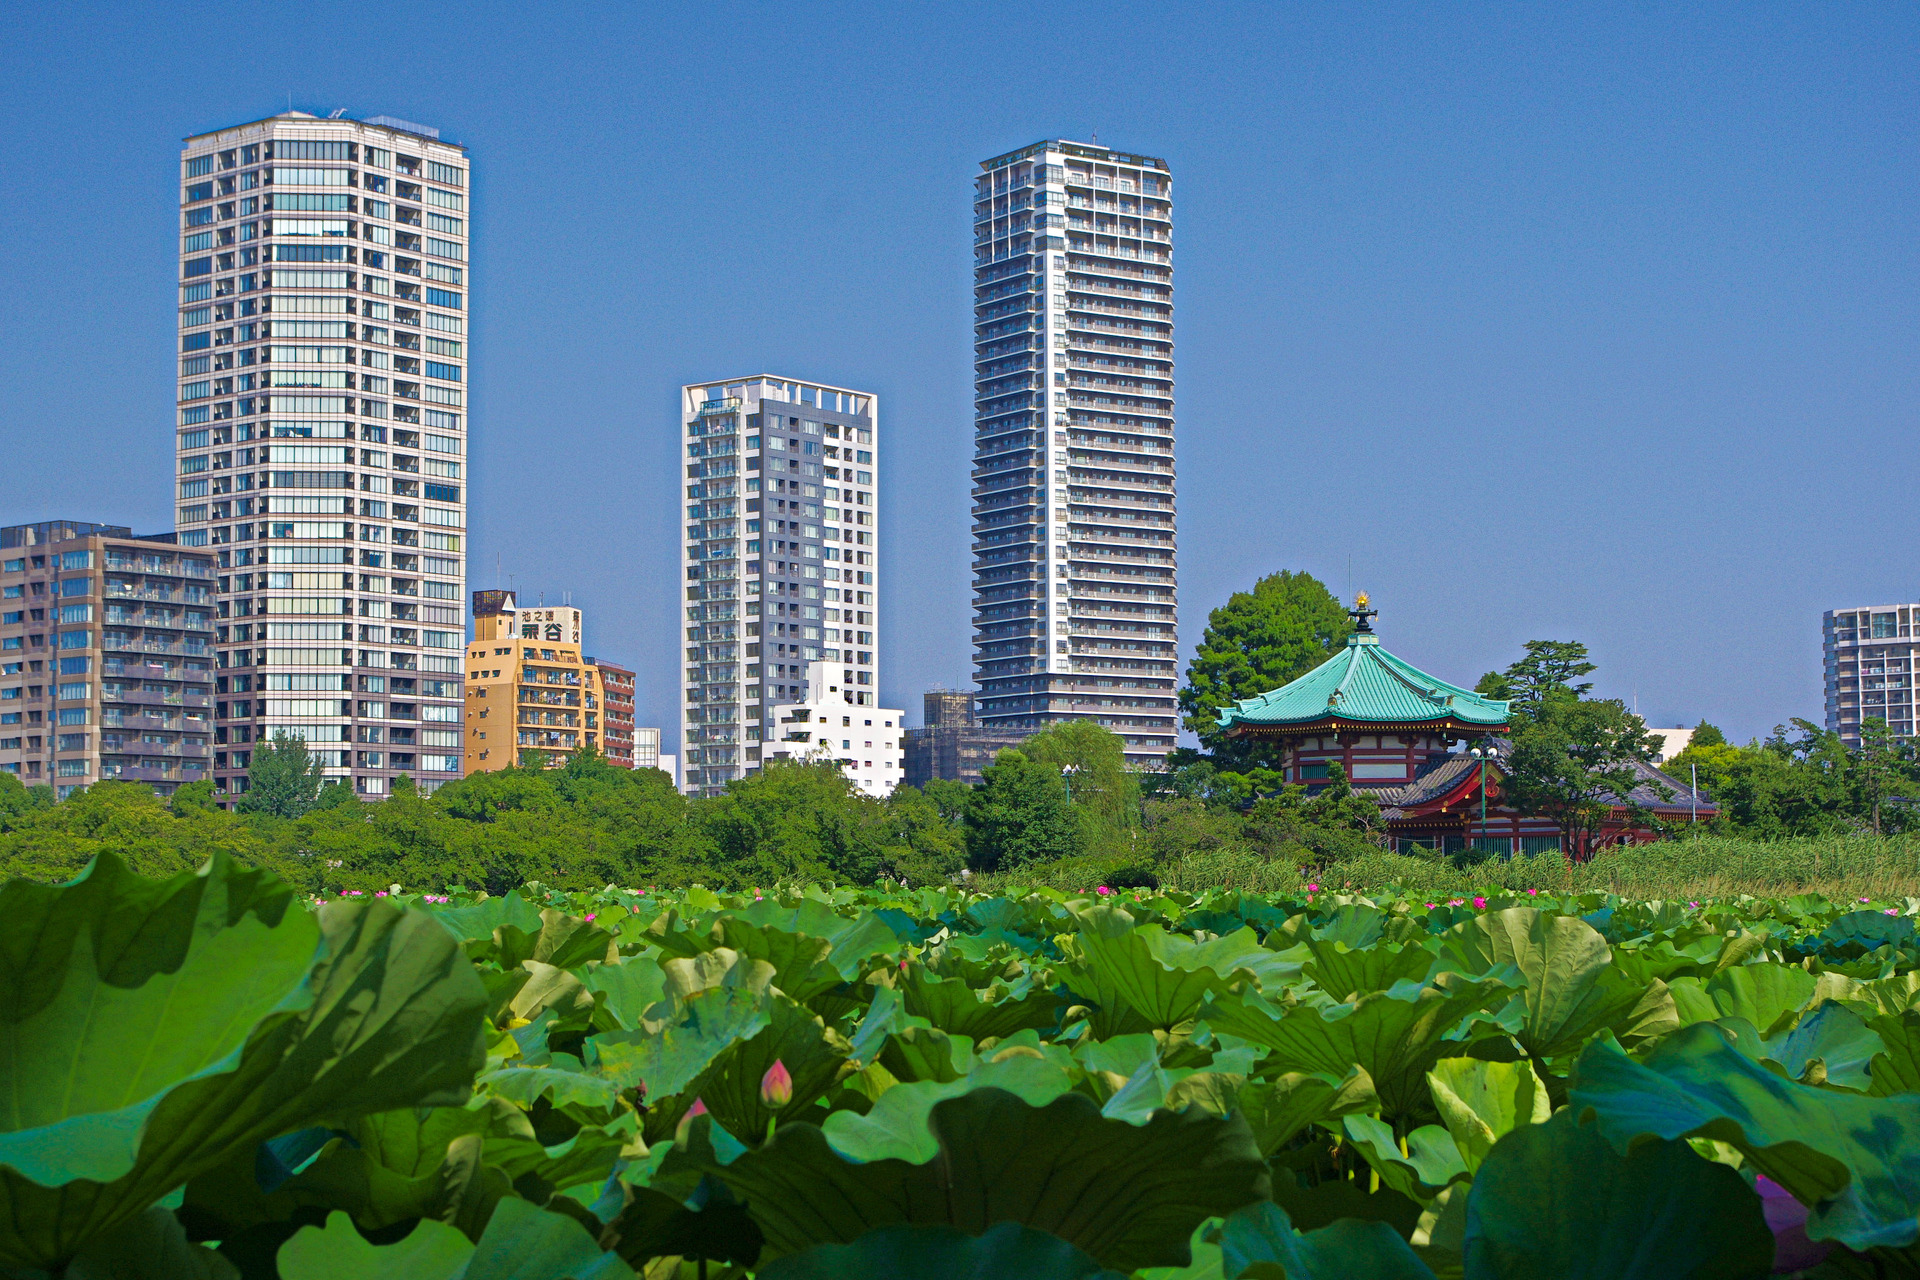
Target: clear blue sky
[1586, 322]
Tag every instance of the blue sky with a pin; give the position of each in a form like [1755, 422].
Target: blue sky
[1590, 322]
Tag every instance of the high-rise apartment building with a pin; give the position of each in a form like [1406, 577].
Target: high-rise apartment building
[781, 543]
[1871, 653]
[531, 694]
[1073, 479]
[322, 436]
[106, 657]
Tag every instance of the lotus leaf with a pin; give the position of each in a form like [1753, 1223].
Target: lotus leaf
[1554, 1199]
[941, 1253]
[1259, 1242]
[1479, 1102]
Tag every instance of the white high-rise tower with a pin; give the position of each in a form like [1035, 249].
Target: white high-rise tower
[1073, 480]
[322, 437]
[779, 554]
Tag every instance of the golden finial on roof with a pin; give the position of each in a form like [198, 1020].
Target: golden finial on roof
[1361, 615]
[1361, 600]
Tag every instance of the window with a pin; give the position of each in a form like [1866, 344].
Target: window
[443, 273]
[450, 372]
[310, 227]
[309, 178]
[199, 191]
[443, 298]
[73, 715]
[310, 150]
[75, 689]
[310, 253]
[311, 202]
[442, 173]
[441, 222]
[379, 158]
[200, 166]
[75, 613]
[198, 267]
[197, 242]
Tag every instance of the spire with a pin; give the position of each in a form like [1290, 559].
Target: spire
[1361, 615]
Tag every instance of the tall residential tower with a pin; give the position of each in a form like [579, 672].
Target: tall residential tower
[1073, 533]
[781, 541]
[322, 437]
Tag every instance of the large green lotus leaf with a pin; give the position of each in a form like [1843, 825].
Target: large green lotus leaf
[1554, 1199]
[957, 1007]
[564, 1086]
[799, 960]
[389, 1016]
[652, 1224]
[1259, 1241]
[562, 941]
[1838, 1039]
[522, 1242]
[1767, 995]
[927, 1053]
[1572, 990]
[814, 1055]
[1128, 1195]
[720, 967]
[105, 1025]
[941, 1253]
[1345, 972]
[899, 1125]
[665, 1058]
[1431, 1161]
[1480, 1102]
[151, 1246]
[477, 922]
[1854, 1160]
[1394, 1036]
[854, 940]
[624, 991]
[1280, 1109]
[548, 987]
[1163, 976]
[1897, 1069]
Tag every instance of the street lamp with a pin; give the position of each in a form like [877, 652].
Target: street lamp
[1482, 757]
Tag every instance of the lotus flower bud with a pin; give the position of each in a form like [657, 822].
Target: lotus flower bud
[776, 1087]
[699, 1108]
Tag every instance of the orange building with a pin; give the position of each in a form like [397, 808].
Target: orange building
[531, 695]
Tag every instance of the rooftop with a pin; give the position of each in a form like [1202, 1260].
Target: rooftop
[1363, 684]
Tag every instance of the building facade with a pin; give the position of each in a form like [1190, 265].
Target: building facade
[1074, 553]
[1869, 653]
[616, 693]
[779, 562]
[828, 725]
[951, 743]
[532, 696]
[106, 657]
[321, 447]
[646, 751]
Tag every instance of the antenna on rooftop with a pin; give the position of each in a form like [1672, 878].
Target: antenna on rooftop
[336, 113]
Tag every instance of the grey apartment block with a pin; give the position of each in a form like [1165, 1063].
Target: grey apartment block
[321, 454]
[1074, 552]
[1870, 654]
[779, 561]
[106, 657]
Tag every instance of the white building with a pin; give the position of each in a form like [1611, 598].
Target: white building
[827, 725]
[1073, 481]
[321, 448]
[778, 560]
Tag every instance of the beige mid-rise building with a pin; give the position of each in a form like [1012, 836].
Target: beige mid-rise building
[532, 694]
[106, 657]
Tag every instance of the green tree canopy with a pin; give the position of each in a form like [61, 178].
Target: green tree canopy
[1706, 735]
[1022, 813]
[1254, 643]
[1093, 760]
[1547, 672]
[283, 778]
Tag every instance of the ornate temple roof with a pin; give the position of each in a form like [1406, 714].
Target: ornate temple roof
[1365, 686]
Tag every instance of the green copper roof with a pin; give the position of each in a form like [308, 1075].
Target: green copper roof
[1366, 684]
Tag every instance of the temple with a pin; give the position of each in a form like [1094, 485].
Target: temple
[1423, 749]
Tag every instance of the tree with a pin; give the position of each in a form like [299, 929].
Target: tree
[1706, 735]
[1880, 765]
[283, 778]
[1548, 671]
[1572, 758]
[1254, 643]
[19, 802]
[191, 795]
[1093, 759]
[1022, 813]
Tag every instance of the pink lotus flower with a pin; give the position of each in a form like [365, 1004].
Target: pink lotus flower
[1313, 888]
[1787, 1219]
[1456, 902]
[1479, 904]
[1429, 906]
[1892, 911]
[1693, 904]
[590, 915]
[1863, 899]
[776, 1087]
[1103, 891]
[1533, 893]
[699, 1108]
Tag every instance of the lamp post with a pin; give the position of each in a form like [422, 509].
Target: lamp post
[1481, 757]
